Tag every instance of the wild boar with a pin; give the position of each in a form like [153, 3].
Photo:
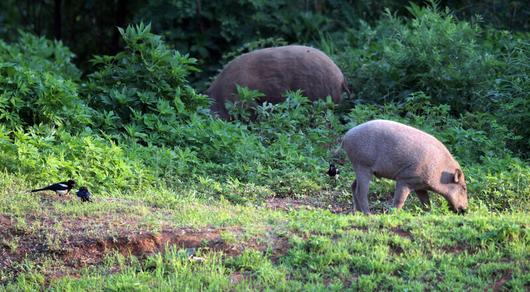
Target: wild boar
[275, 70]
[416, 160]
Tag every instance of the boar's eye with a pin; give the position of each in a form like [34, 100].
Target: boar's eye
[464, 187]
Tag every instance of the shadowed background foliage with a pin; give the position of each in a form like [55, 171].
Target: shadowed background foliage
[210, 29]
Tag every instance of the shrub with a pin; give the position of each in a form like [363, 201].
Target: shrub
[38, 84]
[143, 91]
[508, 97]
[47, 155]
[432, 52]
[500, 183]
[149, 128]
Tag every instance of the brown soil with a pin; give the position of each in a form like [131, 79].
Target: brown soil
[5, 222]
[236, 278]
[401, 232]
[5, 227]
[396, 249]
[87, 251]
[280, 248]
[497, 286]
[455, 249]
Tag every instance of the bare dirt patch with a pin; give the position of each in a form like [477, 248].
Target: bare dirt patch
[236, 278]
[497, 286]
[5, 222]
[456, 249]
[88, 251]
[396, 249]
[401, 232]
[5, 227]
[280, 248]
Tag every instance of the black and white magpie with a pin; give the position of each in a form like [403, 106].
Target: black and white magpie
[333, 171]
[60, 189]
[84, 194]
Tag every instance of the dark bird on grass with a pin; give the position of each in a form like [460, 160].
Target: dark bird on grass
[60, 189]
[84, 194]
[333, 171]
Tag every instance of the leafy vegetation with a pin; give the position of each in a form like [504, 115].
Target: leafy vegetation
[38, 84]
[145, 87]
[136, 131]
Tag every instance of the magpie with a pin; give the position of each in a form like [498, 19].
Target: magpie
[333, 171]
[60, 189]
[84, 194]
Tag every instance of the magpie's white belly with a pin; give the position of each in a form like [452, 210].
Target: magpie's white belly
[61, 192]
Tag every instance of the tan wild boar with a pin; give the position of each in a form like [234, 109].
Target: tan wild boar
[273, 71]
[416, 160]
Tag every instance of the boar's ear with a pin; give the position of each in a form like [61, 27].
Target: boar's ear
[458, 175]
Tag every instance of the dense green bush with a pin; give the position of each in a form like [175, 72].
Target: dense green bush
[508, 96]
[226, 26]
[38, 84]
[500, 183]
[50, 155]
[209, 29]
[432, 52]
[143, 91]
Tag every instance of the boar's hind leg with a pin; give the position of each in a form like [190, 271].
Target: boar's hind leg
[401, 194]
[424, 198]
[361, 190]
[354, 203]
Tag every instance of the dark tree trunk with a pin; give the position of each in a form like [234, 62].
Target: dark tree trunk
[120, 13]
[199, 15]
[57, 17]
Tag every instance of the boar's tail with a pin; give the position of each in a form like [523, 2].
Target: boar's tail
[346, 89]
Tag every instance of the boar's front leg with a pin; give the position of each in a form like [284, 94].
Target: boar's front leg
[360, 194]
[401, 194]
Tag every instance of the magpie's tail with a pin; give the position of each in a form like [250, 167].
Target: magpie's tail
[38, 190]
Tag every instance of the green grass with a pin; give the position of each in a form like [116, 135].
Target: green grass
[298, 249]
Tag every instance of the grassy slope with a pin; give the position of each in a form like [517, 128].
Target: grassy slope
[240, 247]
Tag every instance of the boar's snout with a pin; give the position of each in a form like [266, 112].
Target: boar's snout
[459, 210]
[458, 199]
[462, 206]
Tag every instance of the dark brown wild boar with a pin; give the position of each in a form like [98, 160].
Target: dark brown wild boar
[416, 160]
[275, 70]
